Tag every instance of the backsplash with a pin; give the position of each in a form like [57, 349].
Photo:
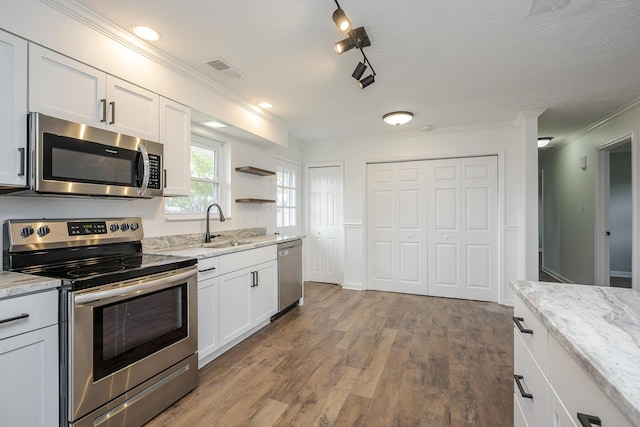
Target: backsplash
[193, 239]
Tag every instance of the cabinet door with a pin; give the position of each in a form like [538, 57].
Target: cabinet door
[235, 295]
[558, 414]
[132, 110]
[175, 134]
[13, 110]
[208, 317]
[29, 372]
[264, 296]
[64, 88]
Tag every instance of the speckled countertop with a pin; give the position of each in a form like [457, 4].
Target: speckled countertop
[16, 284]
[600, 328]
[218, 246]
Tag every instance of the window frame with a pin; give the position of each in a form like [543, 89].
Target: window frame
[295, 167]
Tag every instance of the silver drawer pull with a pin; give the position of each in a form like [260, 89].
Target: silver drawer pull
[13, 319]
[589, 420]
[522, 329]
[524, 394]
[206, 269]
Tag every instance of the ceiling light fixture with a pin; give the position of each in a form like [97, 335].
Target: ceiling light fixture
[340, 18]
[397, 118]
[265, 105]
[146, 33]
[543, 141]
[359, 39]
[214, 124]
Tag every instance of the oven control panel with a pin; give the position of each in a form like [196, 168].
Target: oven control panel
[22, 235]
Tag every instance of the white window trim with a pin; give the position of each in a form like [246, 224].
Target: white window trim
[290, 164]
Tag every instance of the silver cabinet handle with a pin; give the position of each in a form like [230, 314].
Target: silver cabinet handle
[22, 161]
[13, 319]
[103, 101]
[206, 269]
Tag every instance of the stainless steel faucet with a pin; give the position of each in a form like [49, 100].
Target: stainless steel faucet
[207, 236]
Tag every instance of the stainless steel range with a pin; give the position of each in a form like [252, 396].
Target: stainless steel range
[128, 320]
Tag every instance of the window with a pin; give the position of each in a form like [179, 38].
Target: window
[205, 179]
[286, 197]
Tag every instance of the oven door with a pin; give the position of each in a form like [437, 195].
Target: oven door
[125, 334]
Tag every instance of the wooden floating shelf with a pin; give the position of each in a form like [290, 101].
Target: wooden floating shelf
[255, 171]
[250, 200]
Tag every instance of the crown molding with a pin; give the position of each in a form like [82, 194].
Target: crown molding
[109, 29]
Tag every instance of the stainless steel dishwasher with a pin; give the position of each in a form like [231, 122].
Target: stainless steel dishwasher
[289, 274]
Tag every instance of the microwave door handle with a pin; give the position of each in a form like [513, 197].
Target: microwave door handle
[145, 175]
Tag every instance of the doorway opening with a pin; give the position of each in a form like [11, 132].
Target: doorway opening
[614, 227]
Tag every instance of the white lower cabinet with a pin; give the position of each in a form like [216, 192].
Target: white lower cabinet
[29, 361]
[237, 295]
[550, 387]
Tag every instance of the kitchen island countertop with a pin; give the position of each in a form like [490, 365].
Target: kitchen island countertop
[16, 284]
[600, 328]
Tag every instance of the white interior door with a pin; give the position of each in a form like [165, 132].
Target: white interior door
[396, 214]
[462, 228]
[325, 224]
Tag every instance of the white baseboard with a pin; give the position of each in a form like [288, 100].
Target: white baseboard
[626, 274]
[352, 286]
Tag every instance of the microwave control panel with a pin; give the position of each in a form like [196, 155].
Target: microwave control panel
[154, 171]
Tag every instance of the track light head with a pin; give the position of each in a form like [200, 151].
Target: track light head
[344, 45]
[341, 20]
[367, 81]
[359, 71]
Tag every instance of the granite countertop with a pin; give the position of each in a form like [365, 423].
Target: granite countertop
[600, 328]
[16, 284]
[220, 245]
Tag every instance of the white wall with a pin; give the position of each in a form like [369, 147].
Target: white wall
[501, 139]
[569, 234]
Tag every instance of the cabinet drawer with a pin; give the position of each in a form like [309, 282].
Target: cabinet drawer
[518, 416]
[578, 391]
[558, 414]
[533, 382]
[535, 337]
[208, 268]
[41, 308]
[239, 260]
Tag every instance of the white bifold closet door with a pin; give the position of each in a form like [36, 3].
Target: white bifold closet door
[432, 227]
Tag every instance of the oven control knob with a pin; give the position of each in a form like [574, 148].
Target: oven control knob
[43, 231]
[113, 227]
[134, 226]
[124, 227]
[26, 231]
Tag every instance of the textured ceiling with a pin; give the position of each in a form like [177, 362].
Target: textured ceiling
[452, 63]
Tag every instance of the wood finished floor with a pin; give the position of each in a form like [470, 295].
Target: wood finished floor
[351, 358]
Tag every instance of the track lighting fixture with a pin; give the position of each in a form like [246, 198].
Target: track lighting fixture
[359, 39]
[341, 19]
[359, 71]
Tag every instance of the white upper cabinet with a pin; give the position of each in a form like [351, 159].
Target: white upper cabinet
[175, 134]
[13, 110]
[62, 87]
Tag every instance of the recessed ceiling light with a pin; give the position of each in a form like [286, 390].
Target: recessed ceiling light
[146, 33]
[214, 124]
[265, 105]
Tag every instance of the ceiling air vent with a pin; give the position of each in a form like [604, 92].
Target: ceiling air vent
[223, 67]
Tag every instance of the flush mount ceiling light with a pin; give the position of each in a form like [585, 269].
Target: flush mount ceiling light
[214, 124]
[146, 33]
[543, 141]
[359, 39]
[341, 20]
[397, 118]
[265, 105]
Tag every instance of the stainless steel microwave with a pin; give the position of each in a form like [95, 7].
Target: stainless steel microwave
[75, 159]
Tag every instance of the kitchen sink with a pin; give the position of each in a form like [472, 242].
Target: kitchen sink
[226, 244]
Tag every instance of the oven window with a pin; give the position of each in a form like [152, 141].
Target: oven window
[130, 330]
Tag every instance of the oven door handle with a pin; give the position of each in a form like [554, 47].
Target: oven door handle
[117, 294]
